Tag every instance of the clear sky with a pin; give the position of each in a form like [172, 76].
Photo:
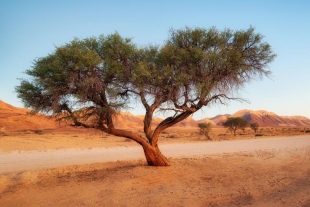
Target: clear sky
[31, 29]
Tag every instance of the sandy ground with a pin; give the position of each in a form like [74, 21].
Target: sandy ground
[263, 178]
[270, 177]
[69, 137]
[38, 159]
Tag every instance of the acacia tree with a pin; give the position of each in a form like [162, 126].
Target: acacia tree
[235, 123]
[205, 129]
[254, 127]
[90, 80]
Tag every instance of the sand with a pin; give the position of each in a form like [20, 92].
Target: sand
[259, 177]
[263, 178]
[40, 159]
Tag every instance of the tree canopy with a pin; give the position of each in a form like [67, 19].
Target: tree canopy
[205, 129]
[235, 123]
[90, 80]
[254, 127]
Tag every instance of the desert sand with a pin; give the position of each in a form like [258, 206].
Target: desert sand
[268, 170]
[38, 159]
[260, 177]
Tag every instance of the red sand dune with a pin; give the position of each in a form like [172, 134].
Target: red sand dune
[15, 119]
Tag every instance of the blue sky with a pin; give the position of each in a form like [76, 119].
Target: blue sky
[31, 29]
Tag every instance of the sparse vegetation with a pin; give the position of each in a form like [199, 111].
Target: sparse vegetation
[4, 134]
[244, 197]
[39, 132]
[205, 129]
[235, 123]
[254, 127]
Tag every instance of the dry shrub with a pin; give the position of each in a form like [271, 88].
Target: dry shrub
[244, 197]
[258, 135]
[4, 134]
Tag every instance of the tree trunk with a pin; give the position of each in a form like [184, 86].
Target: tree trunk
[151, 151]
[154, 157]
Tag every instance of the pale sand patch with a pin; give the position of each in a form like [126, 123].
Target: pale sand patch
[38, 159]
[260, 178]
[69, 137]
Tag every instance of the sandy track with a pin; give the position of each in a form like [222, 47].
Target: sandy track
[34, 160]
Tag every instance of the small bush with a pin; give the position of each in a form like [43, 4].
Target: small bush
[307, 131]
[39, 132]
[3, 134]
[244, 197]
[258, 135]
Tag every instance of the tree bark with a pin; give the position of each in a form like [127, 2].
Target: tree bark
[154, 157]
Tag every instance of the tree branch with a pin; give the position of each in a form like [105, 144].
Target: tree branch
[220, 97]
[168, 122]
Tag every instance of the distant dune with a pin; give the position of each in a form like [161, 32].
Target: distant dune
[16, 119]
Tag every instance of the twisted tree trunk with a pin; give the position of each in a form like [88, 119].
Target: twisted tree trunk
[154, 157]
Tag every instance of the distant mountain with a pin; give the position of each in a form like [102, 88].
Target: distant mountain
[265, 118]
[15, 119]
[219, 119]
[207, 120]
[262, 117]
[127, 120]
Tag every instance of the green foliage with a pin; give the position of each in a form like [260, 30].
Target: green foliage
[254, 126]
[205, 129]
[204, 126]
[90, 80]
[235, 123]
[205, 62]
[83, 74]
